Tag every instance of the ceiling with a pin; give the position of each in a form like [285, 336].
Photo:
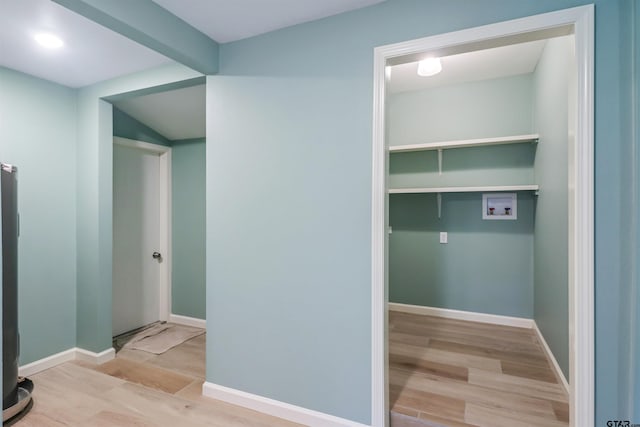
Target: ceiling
[176, 114]
[472, 66]
[230, 20]
[93, 53]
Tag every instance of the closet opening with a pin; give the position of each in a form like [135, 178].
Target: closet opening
[158, 271]
[483, 226]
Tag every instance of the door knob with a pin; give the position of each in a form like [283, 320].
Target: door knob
[156, 255]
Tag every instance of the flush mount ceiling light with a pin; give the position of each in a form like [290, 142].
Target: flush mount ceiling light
[429, 67]
[48, 40]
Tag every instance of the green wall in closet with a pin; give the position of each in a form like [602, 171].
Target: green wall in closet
[480, 109]
[487, 266]
[534, 271]
[551, 297]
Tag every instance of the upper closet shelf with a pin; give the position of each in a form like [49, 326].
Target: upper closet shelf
[490, 188]
[464, 143]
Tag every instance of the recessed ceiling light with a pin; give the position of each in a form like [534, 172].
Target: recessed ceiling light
[429, 67]
[48, 40]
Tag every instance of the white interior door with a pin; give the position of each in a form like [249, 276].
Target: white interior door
[136, 236]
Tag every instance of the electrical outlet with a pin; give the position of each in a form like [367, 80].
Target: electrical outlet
[444, 237]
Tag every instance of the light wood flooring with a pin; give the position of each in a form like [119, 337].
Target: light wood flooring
[441, 373]
[445, 372]
[136, 389]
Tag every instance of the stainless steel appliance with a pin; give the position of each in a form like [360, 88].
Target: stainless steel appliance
[16, 392]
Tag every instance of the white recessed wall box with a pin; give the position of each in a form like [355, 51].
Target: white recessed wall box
[499, 206]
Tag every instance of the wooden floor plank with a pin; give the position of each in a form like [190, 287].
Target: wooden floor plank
[526, 370]
[425, 402]
[502, 417]
[145, 374]
[458, 331]
[518, 385]
[113, 418]
[562, 411]
[445, 357]
[136, 389]
[472, 393]
[489, 375]
[412, 364]
[535, 359]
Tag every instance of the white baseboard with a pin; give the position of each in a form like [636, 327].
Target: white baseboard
[66, 356]
[518, 322]
[46, 363]
[95, 358]
[554, 363]
[188, 321]
[275, 408]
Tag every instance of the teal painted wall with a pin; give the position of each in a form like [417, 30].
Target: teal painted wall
[614, 152]
[498, 107]
[126, 126]
[486, 267]
[481, 109]
[628, 317]
[551, 247]
[290, 163]
[318, 118]
[95, 194]
[634, 125]
[188, 223]
[493, 165]
[310, 141]
[38, 135]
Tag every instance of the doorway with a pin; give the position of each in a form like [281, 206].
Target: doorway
[579, 22]
[170, 124]
[141, 230]
[159, 327]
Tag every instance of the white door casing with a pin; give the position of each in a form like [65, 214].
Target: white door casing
[580, 22]
[140, 228]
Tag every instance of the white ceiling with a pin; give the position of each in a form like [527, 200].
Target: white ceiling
[229, 20]
[175, 114]
[91, 52]
[472, 66]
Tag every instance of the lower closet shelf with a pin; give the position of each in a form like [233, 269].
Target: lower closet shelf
[494, 188]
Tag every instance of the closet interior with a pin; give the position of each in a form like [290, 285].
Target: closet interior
[479, 217]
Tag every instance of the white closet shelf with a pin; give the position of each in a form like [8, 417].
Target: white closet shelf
[490, 188]
[427, 146]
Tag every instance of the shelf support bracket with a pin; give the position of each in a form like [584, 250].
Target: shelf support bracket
[439, 197]
[439, 161]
